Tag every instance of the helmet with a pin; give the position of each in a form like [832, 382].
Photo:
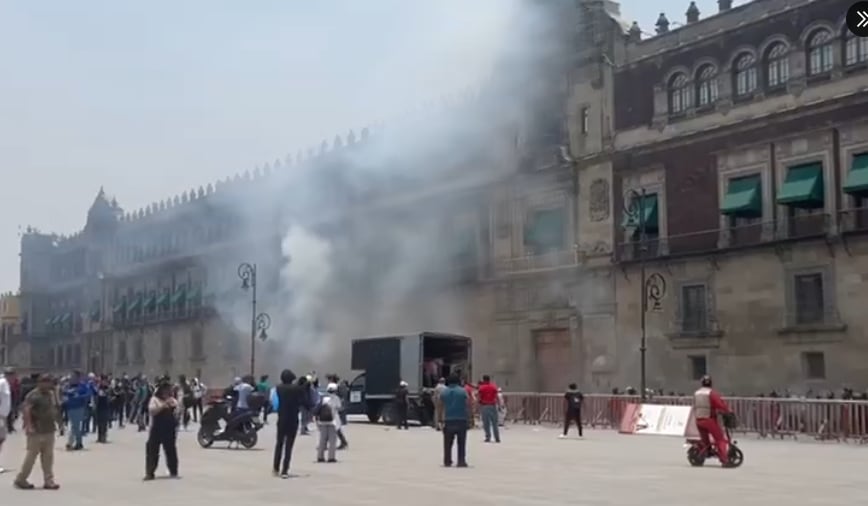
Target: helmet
[705, 381]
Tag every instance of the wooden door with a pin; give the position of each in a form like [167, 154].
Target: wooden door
[554, 360]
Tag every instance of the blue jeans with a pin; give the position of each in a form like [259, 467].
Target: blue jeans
[489, 422]
[76, 424]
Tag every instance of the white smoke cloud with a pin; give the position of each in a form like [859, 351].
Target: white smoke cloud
[307, 273]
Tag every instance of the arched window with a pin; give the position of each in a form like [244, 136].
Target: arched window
[745, 74]
[706, 85]
[777, 65]
[855, 49]
[820, 52]
[679, 94]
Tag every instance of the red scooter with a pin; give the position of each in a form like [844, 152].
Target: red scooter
[697, 452]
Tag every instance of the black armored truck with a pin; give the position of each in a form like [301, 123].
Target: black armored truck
[419, 359]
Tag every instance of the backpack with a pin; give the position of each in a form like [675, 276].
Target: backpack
[324, 412]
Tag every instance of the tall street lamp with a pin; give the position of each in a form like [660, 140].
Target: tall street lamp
[651, 287]
[259, 322]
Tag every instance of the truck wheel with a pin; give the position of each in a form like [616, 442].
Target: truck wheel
[373, 414]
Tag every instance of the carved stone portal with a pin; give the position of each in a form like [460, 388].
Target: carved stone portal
[599, 201]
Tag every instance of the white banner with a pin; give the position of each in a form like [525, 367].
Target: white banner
[661, 420]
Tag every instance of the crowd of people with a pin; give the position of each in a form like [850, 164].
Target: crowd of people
[78, 405]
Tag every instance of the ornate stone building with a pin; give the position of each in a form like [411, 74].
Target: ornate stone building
[747, 133]
[745, 130]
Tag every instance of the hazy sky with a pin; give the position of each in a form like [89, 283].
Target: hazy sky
[149, 99]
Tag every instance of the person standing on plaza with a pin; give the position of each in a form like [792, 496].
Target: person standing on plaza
[264, 388]
[343, 394]
[5, 409]
[438, 409]
[287, 400]
[76, 399]
[328, 423]
[402, 404]
[456, 407]
[14, 384]
[573, 400]
[41, 418]
[199, 390]
[103, 409]
[471, 396]
[165, 410]
[488, 406]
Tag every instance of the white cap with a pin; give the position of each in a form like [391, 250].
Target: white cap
[403, 383]
[309, 377]
[332, 387]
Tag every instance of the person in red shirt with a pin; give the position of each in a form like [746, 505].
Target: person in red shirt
[707, 405]
[488, 404]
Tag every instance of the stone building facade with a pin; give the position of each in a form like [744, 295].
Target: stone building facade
[155, 290]
[745, 130]
[747, 133]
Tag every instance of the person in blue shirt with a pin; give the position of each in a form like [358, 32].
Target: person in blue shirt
[455, 406]
[76, 399]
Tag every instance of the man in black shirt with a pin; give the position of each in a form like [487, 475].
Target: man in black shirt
[573, 409]
[290, 397]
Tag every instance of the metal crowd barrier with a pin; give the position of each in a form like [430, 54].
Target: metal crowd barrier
[821, 419]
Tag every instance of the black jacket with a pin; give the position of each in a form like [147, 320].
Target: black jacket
[291, 398]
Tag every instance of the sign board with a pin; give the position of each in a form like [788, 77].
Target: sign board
[355, 397]
[657, 420]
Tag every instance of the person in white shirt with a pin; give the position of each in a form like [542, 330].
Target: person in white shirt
[5, 409]
[328, 422]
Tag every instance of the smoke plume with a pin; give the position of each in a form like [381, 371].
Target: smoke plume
[376, 228]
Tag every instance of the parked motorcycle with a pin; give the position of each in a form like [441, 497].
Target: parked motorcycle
[697, 452]
[240, 428]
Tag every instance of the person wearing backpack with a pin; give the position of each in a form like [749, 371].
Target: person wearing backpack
[328, 423]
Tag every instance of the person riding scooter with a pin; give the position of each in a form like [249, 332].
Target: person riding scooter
[707, 405]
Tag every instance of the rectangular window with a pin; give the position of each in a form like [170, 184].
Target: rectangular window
[698, 366]
[166, 348]
[814, 364]
[139, 350]
[694, 307]
[3, 358]
[586, 120]
[809, 299]
[197, 344]
[122, 352]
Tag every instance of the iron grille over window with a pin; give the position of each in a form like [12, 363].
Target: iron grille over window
[808, 292]
[694, 308]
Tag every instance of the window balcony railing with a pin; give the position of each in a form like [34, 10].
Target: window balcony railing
[145, 318]
[540, 261]
[853, 220]
[742, 235]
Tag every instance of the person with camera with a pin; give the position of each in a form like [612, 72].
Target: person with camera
[164, 410]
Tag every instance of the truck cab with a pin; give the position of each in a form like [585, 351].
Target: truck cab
[419, 359]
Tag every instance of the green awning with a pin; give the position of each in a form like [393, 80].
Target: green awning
[803, 187]
[195, 294]
[857, 178]
[65, 318]
[94, 314]
[163, 300]
[119, 307]
[546, 229]
[743, 198]
[647, 212]
[55, 320]
[178, 296]
[49, 321]
[134, 305]
[151, 302]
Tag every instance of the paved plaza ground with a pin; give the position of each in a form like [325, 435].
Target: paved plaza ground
[389, 467]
